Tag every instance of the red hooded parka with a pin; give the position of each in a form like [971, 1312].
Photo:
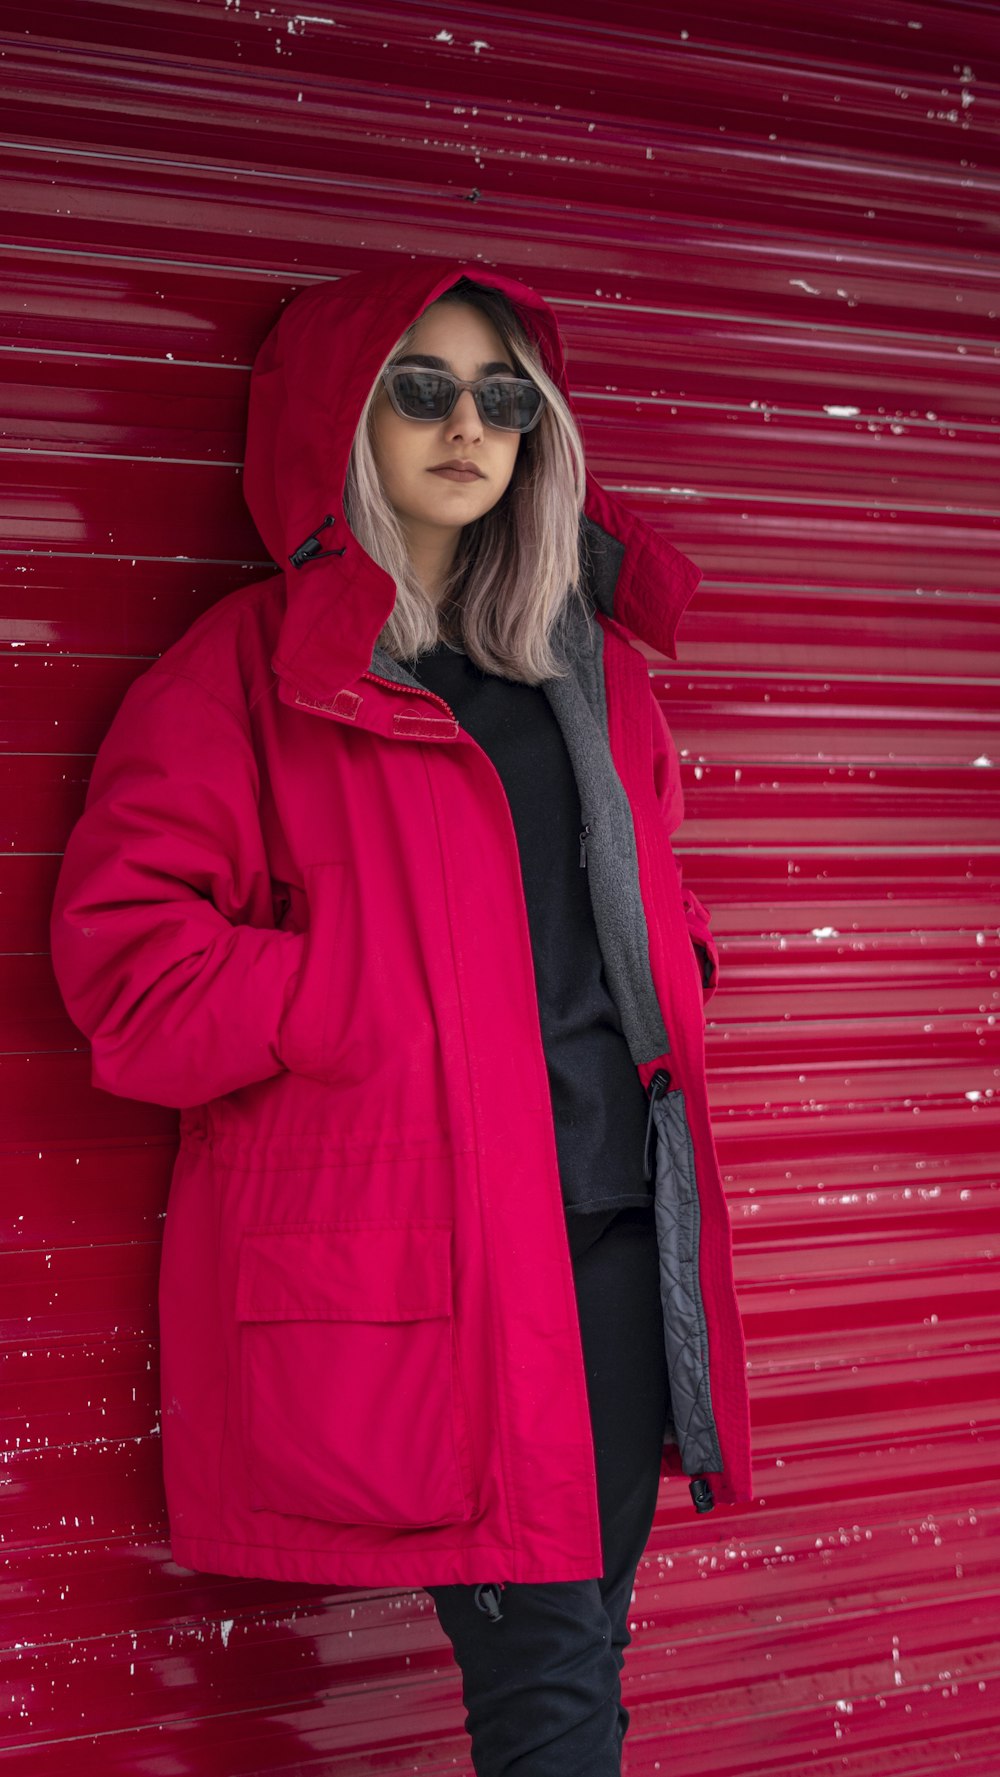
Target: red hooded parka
[293, 908]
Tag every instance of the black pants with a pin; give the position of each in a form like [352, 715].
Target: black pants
[541, 1682]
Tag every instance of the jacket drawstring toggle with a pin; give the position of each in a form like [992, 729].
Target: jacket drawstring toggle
[311, 549]
[487, 1599]
[701, 1492]
[657, 1086]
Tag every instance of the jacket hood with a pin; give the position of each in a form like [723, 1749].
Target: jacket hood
[310, 381]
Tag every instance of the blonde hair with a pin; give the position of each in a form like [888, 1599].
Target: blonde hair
[517, 567]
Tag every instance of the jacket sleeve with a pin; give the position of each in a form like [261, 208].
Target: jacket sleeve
[163, 941]
[670, 795]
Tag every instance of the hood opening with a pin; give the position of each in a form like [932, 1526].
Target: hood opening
[310, 380]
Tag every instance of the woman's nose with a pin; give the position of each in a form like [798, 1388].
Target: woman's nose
[464, 420]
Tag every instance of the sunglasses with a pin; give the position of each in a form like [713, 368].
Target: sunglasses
[512, 404]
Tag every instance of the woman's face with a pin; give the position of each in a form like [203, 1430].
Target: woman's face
[431, 505]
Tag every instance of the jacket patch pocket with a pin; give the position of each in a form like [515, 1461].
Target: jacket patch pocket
[350, 1406]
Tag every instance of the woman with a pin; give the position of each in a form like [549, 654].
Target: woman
[374, 883]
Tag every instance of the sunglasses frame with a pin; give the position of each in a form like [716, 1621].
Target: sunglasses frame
[458, 386]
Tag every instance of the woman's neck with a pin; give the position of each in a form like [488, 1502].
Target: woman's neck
[432, 556]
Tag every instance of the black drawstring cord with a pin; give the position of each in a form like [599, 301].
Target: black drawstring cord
[311, 549]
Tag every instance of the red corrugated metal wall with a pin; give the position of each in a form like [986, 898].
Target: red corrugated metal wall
[770, 231]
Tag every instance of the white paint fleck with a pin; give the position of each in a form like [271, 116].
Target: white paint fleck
[800, 284]
[225, 1629]
[444, 37]
[479, 43]
[296, 27]
[842, 413]
[982, 760]
[824, 932]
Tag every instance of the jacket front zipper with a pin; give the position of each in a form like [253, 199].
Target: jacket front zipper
[414, 691]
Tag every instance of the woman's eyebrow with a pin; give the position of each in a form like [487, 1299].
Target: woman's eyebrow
[429, 363]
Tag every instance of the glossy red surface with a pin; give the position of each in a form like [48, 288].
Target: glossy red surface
[769, 233]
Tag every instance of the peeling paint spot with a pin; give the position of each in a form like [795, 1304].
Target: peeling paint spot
[296, 26]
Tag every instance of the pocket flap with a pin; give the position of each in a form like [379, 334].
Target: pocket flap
[326, 1272]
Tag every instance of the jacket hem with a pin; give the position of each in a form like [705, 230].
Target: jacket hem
[480, 1564]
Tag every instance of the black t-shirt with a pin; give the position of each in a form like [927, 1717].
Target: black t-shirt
[599, 1104]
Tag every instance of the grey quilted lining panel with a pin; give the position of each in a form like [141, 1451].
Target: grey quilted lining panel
[678, 1228]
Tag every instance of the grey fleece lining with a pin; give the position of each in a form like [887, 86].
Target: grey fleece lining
[579, 706]
[601, 558]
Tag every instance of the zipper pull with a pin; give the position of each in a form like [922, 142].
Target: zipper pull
[656, 1088]
[311, 549]
[583, 846]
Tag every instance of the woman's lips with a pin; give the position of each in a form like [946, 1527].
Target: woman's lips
[458, 474]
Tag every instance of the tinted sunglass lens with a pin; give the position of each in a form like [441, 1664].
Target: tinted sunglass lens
[510, 405]
[421, 395]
